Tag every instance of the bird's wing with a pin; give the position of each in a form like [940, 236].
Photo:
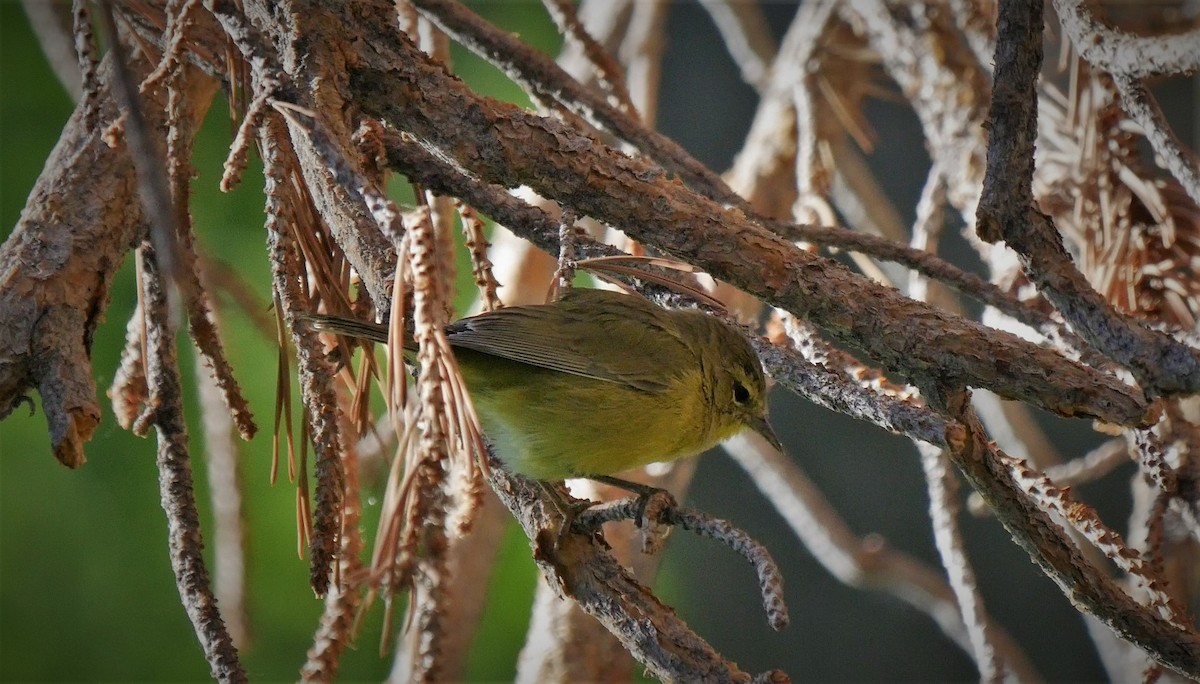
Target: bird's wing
[590, 333]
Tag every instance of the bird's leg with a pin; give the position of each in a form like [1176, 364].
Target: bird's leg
[568, 507]
[645, 509]
[645, 494]
[651, 504]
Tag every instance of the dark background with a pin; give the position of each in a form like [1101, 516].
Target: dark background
[86, 590]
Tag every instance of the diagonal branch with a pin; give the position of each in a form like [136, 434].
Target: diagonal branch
[1031, 527]
[546, 81]
[1118, 52]
[503, 145]
[1160, 364]
[578, 567]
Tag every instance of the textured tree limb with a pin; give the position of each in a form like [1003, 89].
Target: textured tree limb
[1087, 587]
[547, 82]
[57, 265]
[1160, 364]
[576, 566]
[929, 264]
[508, 147]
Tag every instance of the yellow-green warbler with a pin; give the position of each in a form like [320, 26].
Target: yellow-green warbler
[599, 382]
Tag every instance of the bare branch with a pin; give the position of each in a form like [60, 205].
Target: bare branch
[175, 478]
[990, 474]
[576, 566]
[563, 164]
[608, 72]
[943, 509]
[1176, 158]
[1120, 53]
[1160, 364]
[770, 580]
[547, 82]
[868, 564]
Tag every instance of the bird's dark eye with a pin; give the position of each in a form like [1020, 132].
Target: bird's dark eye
[741, 395]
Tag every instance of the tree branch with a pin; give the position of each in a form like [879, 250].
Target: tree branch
[1160, 364]
[508, 147]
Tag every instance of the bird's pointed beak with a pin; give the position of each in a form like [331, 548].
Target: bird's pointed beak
[760, 425]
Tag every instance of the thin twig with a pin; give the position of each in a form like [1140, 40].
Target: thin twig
[316, 390]
[943, 511]
[180, 132]
[641, 52]
[863, 563]
[481, 266]
[177, 24]
[85, 51]
[564, 275]
[152, 172]
[1176, 157]
[175, 478]
[335, 631]
[770, 580]
[608, 72]
[991, 474]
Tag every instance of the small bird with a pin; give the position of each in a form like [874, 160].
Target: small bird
[598, 382]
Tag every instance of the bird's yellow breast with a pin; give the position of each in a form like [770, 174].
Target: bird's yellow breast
[550, 425]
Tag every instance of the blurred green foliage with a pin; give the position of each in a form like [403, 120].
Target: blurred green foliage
[86, 588]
